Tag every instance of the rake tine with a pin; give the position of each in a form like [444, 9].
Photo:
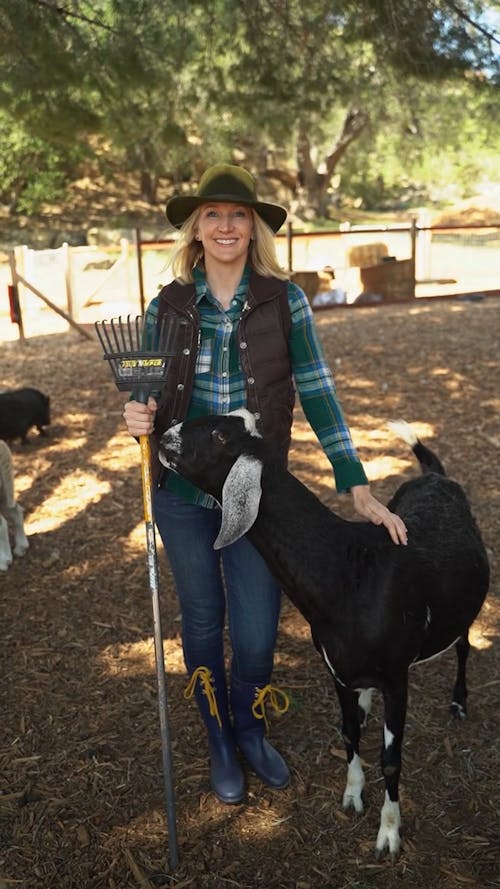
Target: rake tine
[121, 330]
[136, 333]
[105, 340]
[127, 333]
[114, 335]
[99, 329]
[98, 332]
[110, 333]
[139, 327]
[123, 334]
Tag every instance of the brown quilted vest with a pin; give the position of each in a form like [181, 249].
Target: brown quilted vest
[263, 333]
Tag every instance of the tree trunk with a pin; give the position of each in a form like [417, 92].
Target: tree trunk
[314, 185]
[149, 186]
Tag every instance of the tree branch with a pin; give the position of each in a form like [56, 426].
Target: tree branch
[354, 122]
[463, 15]
[69, 14]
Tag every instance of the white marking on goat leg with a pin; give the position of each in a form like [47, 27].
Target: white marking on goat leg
[457, 709]
[353, 793]
[388, 737]
[330, 667]
[365, 703]
[388, 833]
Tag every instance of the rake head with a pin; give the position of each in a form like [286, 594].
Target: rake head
[136, 369]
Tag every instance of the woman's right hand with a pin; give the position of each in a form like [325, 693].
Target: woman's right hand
[140, 418]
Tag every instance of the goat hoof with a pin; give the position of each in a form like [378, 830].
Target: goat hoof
[353, 802]
[20, 550]
[393, 854]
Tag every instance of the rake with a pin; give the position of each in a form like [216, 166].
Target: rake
[141, 372]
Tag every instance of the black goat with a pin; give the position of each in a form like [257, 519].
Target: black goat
[20, 409]
[374, 608]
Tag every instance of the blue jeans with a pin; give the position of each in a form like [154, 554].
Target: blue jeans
[210, 581]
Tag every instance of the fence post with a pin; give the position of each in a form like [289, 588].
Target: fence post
[16, 314]
[423, 269]
[67, 278]
[413, 266]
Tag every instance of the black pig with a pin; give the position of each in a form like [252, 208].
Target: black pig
[20, 409]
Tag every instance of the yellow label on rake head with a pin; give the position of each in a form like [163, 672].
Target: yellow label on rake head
[141, 370]
[136, 363]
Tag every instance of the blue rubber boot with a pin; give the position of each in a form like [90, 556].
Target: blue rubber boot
[250, 723]
[209, 687]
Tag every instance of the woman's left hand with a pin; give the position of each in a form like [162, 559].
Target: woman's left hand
[367, 506]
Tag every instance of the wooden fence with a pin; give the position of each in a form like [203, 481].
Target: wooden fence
[388, 263]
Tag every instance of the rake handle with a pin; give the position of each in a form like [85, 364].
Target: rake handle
[142, 395]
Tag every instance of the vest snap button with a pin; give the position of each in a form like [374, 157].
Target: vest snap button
[251, 381]
[180, 386]
[185, 351]
[243, 345]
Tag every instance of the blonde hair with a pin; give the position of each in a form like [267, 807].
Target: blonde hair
[188, 251]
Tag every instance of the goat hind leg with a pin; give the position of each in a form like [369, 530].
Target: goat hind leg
[353, 793]
[458, 706]
[15, 516]
[395, 700]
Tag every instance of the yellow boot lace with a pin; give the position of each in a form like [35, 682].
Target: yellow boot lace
[208, 689]
[278, 699]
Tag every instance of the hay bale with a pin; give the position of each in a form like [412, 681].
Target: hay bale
[367, 254]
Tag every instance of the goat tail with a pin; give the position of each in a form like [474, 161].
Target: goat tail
[428, 460]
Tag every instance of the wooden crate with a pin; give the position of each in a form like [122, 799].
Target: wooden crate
[393, 280]
[308, 281]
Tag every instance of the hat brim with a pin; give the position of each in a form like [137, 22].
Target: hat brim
[180, 207]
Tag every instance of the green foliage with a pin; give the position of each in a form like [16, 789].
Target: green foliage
[169, 87]
[31, 171]
[439, 142]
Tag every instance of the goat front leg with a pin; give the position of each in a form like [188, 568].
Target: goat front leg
[395, 700]
[353, 793]
[5, 550]
[458, 707]
[15, 516]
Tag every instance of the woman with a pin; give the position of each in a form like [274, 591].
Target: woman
[246, 338]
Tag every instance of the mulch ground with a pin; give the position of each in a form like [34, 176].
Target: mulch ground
[81, 794]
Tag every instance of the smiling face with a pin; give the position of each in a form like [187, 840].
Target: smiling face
[225, 230]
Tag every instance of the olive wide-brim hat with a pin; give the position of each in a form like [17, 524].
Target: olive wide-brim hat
[224, 183]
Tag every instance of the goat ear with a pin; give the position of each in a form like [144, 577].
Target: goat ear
[240, 500]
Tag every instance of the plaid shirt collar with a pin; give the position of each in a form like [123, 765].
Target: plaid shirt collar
[203, 290]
